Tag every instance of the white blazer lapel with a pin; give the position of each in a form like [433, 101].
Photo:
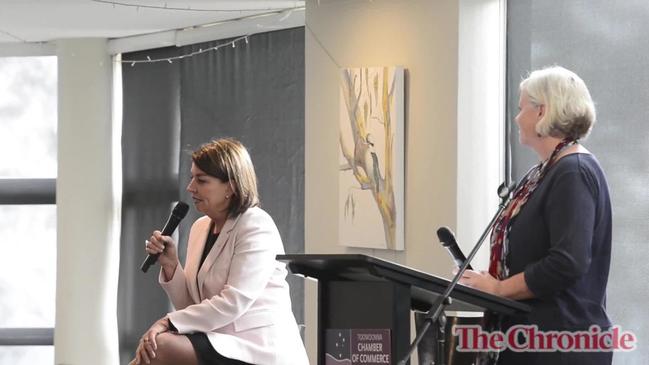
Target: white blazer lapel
[220, 243]
[195, 248]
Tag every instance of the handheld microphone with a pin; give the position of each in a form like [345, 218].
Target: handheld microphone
[447, 239]
[177, 214]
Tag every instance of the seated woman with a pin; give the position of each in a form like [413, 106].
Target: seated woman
[231, 298]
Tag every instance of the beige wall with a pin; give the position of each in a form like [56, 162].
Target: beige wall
[421, 36]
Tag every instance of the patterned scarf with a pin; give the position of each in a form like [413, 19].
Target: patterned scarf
[499, 235]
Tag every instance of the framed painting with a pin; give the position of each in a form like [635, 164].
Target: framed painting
[371, 156]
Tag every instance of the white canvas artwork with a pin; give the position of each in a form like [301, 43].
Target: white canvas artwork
[371, 156]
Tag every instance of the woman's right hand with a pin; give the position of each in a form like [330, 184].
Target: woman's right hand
[164, 246]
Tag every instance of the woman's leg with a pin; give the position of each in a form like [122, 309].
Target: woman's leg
[172, 349]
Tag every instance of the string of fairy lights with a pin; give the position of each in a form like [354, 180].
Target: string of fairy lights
[232, 43]
[284, 12]
[297, 4]
[272, 11]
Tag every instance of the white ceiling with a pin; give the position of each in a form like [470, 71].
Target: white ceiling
[29, 21]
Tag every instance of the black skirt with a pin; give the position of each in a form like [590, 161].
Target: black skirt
[206, 354]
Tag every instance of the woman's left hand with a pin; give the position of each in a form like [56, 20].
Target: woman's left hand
[481, 280]
[147, 346]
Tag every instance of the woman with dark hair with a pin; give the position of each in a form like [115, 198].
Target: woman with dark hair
[231, 298]
[551, 246]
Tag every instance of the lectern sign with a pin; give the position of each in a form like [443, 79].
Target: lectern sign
[358, 346]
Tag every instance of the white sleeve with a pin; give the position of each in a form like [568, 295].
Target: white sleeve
[251, 269]
[176, 288]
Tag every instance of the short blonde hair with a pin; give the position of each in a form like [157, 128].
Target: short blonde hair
[228, 160]
[569, 109]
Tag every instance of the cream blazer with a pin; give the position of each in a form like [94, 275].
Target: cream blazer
[240, 296]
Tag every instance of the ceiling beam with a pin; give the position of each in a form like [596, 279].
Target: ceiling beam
[285, 19]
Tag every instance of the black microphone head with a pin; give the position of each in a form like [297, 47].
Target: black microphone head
[180, 210]
[445, 236]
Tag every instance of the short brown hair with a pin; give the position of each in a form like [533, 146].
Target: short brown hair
[228, 160]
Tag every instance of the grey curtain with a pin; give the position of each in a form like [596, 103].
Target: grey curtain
[150, 128]
[253, 92]
[605, 42]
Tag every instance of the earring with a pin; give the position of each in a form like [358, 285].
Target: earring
[227, 197]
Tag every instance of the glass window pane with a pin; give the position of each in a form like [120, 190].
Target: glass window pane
[33, 355]
[28, 270]
[28, 116]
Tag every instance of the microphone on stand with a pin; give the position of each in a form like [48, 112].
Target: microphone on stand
[504, 190]
[179, 212]
[447, 239]
[435, 316]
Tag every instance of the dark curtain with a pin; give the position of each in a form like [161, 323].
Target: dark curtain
[253, 92]
[605, 43]
[151, 121]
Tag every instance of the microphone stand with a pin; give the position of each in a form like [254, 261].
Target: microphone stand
[435, 316]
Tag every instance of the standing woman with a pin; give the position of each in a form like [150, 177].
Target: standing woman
[551, 246]
[231, 298]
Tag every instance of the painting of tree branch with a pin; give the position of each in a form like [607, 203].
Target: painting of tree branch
[371, 171]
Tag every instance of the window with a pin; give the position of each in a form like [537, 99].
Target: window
[28, 118]
[605, 43]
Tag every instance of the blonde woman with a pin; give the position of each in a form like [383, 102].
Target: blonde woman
[551, 246]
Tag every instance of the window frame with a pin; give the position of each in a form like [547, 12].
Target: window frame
[28, 191]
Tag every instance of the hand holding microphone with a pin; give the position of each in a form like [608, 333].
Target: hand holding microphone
[163, 247]
[156, 244]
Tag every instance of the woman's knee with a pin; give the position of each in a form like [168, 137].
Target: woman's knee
[174, 349]
[165, 340]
